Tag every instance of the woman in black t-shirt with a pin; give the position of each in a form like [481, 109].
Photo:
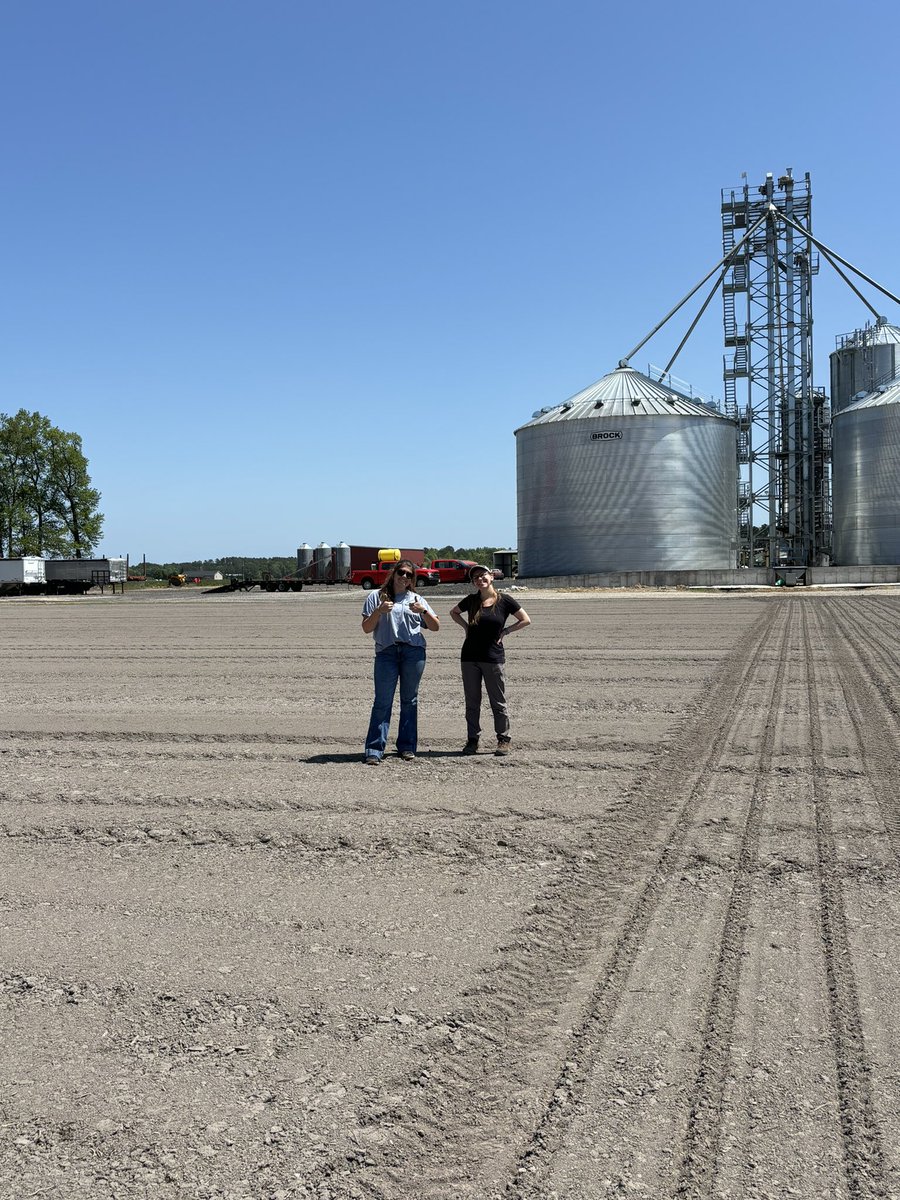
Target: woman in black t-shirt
[483, 656]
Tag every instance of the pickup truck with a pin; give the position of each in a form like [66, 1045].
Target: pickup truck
[372, 577]
[453, 570]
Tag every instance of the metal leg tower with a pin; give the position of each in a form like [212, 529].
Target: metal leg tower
[782, 418]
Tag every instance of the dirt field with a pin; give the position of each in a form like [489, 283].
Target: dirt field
[652, 954]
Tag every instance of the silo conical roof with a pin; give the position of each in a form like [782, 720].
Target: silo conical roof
[883, 334]
[625, 393]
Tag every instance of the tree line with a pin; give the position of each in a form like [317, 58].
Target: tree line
[205, 568]
[479, 554]
[47, 503]
[279, 567]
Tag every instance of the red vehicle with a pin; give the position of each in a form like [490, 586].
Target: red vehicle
[453, 570]
[374, 576]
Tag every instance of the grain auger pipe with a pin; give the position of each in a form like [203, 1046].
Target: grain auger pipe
[833, 258]
[721, 266]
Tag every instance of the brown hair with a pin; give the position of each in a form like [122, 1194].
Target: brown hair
[475, 610]
[387, 590]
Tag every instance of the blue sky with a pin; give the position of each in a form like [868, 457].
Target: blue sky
[295, 272]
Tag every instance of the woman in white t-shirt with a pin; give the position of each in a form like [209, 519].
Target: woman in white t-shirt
[395, 615]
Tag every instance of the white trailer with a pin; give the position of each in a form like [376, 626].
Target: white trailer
[19, 575]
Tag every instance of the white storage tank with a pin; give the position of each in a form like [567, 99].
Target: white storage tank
[627, 475]
[865, 442]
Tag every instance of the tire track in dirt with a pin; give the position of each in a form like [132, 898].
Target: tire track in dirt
[862, 1138]
[697, 1172]
[700, 1140]
[871, 707]
[874, 649]
[471, 1101]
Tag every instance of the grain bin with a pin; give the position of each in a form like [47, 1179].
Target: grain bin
[322, 568]
[866, 480]
[863, 361]
[341, 562]
[304, 561]
[627, 475]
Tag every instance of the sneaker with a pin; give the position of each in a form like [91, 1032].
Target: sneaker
[502, 747]
[372, 760]
[406, 755]
[471, 746]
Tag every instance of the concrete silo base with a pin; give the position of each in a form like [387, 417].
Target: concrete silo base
[748, 577]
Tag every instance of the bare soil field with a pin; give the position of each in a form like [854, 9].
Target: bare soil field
[655, 953]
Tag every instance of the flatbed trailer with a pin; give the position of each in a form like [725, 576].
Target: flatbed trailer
[238, 583]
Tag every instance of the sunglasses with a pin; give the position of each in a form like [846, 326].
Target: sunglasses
[405, 574]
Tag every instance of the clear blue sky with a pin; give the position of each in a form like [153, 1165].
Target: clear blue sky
[296, 271]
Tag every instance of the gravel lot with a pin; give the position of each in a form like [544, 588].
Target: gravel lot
[653, 953]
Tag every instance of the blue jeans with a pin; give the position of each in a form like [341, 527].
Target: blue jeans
[406, 664]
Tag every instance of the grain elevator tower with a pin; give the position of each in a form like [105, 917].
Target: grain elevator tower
[783, 420]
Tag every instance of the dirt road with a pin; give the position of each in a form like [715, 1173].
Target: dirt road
[652, 954]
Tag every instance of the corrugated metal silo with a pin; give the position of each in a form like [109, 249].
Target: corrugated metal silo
[341, 562]
[628, 475]
[322, 567]
[864, 360]
[866, 480]
[304, 560]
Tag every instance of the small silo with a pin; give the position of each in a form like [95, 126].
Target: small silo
[321, 572]
[865, 476]
[627, 475]
[304, 560]
[341, 562]
[863, 361]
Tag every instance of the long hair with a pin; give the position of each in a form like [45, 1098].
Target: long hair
[475, 610]
[387, 591]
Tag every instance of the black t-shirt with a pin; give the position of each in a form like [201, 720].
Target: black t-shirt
[481, 644]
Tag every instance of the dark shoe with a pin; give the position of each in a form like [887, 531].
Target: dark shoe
[502, 747]
[372, 760]
[471, 746]
[406, 755]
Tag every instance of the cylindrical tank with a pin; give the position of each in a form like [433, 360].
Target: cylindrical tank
[626, 476]
[863, 361]
[389, 556]
[304, 560]
[341, 562]
[866, 480]
[322, 563]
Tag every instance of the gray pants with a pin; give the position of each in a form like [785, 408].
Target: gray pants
[495, 682]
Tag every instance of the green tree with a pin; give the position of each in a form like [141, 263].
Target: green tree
[76, 500]
[47, 502]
